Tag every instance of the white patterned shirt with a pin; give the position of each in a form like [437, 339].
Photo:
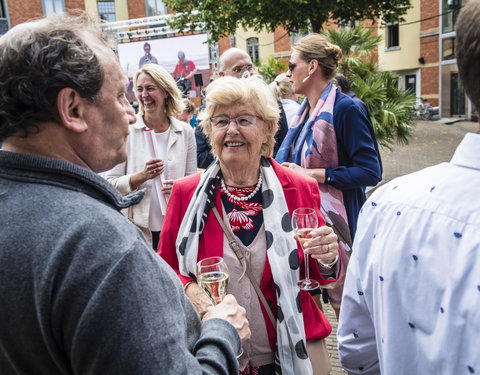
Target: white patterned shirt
[411, 303]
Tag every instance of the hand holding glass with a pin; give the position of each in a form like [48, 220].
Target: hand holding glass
[212, 277]
[304, 221]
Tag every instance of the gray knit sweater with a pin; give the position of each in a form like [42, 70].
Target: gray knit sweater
[81, 292]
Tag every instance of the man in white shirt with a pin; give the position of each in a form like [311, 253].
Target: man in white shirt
[412, 292]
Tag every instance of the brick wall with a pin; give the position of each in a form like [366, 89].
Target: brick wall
[22, 11]
[429, 8]
[223, 44]
[75, 4]
[430, 84]
[136, 9]
[429, 50]
[281, 40]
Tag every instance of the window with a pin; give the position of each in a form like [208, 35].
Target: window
[392, 36]
[253, 49]
[3, 19]
[106, 10]
[457, 96]
[155, 8]
[450, 10]
[294, 38]
[53, 6]
[448, 48]
[411, 83]
[344, 24]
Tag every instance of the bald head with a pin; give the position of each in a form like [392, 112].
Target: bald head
[235, 62]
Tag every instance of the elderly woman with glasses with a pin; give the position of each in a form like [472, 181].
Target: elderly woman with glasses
[330, 140]
[255, 198]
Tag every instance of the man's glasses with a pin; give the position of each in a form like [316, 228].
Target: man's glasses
[244, 121]
[291, 66]
[241, 69]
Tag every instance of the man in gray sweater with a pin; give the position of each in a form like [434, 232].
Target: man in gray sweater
[81, 292]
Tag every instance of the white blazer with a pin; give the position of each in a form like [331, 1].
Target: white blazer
[182, 161]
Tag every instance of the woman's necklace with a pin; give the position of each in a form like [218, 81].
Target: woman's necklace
[249, 196]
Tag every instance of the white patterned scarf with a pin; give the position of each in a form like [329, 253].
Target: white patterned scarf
[282, 255]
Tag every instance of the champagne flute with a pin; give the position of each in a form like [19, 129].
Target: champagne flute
[212, 277]
[304, 220]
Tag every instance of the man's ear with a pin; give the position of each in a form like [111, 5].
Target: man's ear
[71, 109]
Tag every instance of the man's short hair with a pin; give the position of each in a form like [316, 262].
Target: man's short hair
[342, 81]
[39, 59]
[147, 45]
[468, 50]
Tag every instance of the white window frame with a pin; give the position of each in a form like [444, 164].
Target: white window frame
[53, 6]
[253, 48]
[160, 8]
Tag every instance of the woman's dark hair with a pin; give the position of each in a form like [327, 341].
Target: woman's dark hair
[37, 60]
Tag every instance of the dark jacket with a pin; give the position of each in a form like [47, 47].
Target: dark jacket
[81, 290]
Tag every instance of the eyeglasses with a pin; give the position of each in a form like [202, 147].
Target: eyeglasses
[244, 121]
[241, 69]
[291, 66]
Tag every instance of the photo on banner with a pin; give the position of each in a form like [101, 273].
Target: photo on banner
[165, 51]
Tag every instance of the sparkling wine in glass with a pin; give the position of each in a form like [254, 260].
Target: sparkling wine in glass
[212, 277]
[304, 221]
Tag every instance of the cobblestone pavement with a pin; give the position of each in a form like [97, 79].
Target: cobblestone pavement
[332, 341]
[433, 142]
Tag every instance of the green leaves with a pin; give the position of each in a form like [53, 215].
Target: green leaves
[271, 68]
[392, 109]
[220, 18]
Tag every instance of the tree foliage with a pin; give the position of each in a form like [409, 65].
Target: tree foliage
[392, 109]
[271, 68]
[221, 18]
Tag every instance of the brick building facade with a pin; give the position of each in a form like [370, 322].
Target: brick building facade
[424, 58]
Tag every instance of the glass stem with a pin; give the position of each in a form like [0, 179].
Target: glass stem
[307, 269]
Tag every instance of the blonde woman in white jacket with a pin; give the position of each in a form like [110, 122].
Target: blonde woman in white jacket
[159, 101]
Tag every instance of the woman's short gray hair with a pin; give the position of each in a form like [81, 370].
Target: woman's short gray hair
[252, 92]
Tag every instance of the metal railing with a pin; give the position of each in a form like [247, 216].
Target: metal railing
[144, 27]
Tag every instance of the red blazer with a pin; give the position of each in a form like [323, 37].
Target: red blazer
[299, 191]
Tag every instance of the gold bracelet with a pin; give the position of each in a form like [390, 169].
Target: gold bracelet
[186, 285]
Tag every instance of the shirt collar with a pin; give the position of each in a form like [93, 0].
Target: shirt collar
[467, 153]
